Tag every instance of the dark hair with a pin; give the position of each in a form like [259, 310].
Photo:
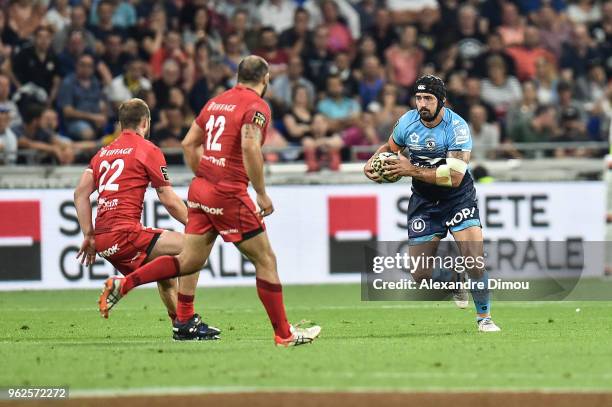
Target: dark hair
[131, 112]
[252, 70]
[540, 110]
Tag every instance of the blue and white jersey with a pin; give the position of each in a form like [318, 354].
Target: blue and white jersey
[428, 147]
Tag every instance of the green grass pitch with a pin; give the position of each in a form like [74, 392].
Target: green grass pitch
[58, 338]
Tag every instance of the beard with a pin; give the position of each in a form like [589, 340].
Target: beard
[426, 115]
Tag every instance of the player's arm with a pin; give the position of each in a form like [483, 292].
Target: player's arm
[86, 186]
[192, 146]
[173, 203]
[252, 157]
[447, 175]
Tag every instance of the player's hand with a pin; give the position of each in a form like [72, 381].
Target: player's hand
[87, 252]
[394, 168]
[370, 173]
[265, 204]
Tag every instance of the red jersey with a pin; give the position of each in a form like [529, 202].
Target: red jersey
[221, 120]
[122, 171]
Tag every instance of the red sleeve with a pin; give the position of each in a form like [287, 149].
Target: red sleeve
[258, 113]
[155, 165]
[200, 119]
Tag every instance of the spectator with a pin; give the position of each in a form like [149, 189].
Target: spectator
[114, 57]
[345, 10]
[282, 86]
[499, 89]
[6, 103]
[404, 60]
[277, 14]
[322, 141]
[234, 52]
[387, 110]
[31, 136]
[525, 109]
[362, 134]
[201, 30]
[470, 41]
[82, 102]
[383, 32]
[577, 54]
[409, 11]
[495, 47]
[75, 48]
[173, 131]
[59, 15]
[339, 39]
[512, 29]
[23, 18]
[554, 30]
[526, 55]
[584, 12]
[317, 60]
[566, 100]
[38, 64]
[78, 21]
[298, 37]
[546, 81]
[298, 120]
[485, 136]
[540, 128]
[171, 76]
[366, 47]
[49, 123]
[592, 87]
[342, 68]
[372, 83]
[340, 110]
[129, 84]
[471, 97]
[171, 50]
[277, 58]
[104, 26]
[240, 26]
[8, 139]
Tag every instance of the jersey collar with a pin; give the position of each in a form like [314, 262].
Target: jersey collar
[242, 87]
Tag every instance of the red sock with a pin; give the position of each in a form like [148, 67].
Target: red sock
[184, 309]
[271, 296]
[162, 268]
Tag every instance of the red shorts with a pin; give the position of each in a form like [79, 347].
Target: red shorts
[127, 247]
[232, 214]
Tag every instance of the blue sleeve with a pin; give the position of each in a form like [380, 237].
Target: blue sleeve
[459, 136]
[398, 133]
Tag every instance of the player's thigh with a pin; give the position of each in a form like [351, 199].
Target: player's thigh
[169, 243]
[421, 252]
[258, 250]
[196, 249]
[471, 246]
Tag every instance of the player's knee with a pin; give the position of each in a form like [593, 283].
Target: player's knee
[190, 263]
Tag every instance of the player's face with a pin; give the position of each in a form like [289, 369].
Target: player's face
[426, 105]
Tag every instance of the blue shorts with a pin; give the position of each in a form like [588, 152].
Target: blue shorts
[427, 219]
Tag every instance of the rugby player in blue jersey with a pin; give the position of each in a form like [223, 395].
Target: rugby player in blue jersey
[437, 142]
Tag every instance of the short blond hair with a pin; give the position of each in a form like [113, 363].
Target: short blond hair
[131, 112]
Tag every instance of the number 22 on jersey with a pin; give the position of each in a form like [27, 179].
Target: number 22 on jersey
[217, 125]
[105, 169]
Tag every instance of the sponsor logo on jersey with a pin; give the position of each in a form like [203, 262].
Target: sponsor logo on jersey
[460, 216]
[259, 119]
[430, 144]
[216, 161]
[417, 225]
[462, 134]
[105, 205]
[220, 107]
[204, 208]
[164, 172]
[110, 251]
[117, 151]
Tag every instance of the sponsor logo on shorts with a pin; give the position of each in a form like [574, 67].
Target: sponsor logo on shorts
[216, 161]
[259, 119]
[111, 251]
[228, 231]
[417, 225]
[460, 216]
[204, 208]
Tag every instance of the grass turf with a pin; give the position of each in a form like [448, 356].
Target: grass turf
[58, 338]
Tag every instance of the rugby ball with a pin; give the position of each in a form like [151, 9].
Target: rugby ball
[377, 165]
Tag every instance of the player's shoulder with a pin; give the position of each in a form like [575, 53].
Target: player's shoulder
[453, 119]
[409, 118]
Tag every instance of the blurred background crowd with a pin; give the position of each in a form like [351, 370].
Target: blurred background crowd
[522, 72]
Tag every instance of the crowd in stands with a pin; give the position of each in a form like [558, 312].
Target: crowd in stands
[342, 71]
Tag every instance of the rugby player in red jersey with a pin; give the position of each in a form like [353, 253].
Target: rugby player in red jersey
[223, 148]
[120, 173]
